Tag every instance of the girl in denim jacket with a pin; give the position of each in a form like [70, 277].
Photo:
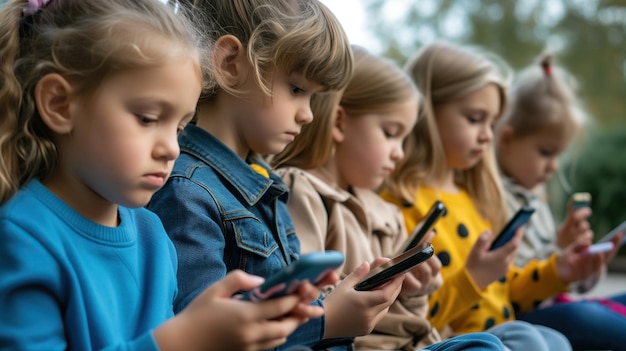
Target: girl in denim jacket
[222, 207]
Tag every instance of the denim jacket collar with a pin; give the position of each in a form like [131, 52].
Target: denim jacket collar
[250, 184]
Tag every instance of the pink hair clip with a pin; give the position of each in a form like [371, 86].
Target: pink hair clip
[34, 6]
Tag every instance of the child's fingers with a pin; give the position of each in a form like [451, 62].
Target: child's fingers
[428, 237]
[389, 291]
[484, 241]
[329, 279]
[274, 308]
[308, 292]
[617, 242]
[579, 245]
[274, 333]
[306, 310]
[412, 284]
[435, 265]
[511, 247]
[234, 282]
[581, 214]
[357, 274]
[379, 261]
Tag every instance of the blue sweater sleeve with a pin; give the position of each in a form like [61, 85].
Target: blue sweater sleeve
[31, 293]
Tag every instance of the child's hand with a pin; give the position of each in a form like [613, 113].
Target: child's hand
[575, 227]
[424, 279]
[309, 293]
[354, 313]
[575, 263]
[216, 321]
[486, 266]
[617, 244]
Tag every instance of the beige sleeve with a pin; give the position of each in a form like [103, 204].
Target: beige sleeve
[307, 211]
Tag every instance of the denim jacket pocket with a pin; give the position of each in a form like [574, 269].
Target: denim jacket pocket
[252, 236]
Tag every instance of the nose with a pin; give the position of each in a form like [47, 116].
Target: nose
[167, 147]
[486, 134]
[304, 115]
[553, 165]
[397, 152]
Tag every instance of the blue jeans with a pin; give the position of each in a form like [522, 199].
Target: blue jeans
[472, 342]
[522, 336]
[587, 324]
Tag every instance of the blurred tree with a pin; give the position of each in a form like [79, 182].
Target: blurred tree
[600, 169]
[587, 36]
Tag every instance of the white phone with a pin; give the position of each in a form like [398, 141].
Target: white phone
[596, 248]
[619, 229]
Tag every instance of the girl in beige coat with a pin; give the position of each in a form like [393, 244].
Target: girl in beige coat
[332, 170]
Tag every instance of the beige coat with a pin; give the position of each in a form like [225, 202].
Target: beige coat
[363, 227]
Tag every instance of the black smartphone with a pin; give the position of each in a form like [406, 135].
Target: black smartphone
[519, 219]
[312, 267]
[396, 266]
[437, 210]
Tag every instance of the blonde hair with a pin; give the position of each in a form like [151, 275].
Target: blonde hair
[445, 72]
[543, 96]
[83, 41]
[376, 84]
[297, 36]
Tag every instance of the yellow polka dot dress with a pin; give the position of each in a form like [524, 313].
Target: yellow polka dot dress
[460, 303]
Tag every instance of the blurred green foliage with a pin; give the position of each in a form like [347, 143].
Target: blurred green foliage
[600, 169]
[587, 36]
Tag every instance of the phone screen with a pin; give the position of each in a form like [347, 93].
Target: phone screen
[396, 266]
[519, 219]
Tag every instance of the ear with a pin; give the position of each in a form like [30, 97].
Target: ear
[229, 60]
[52, 96]
[339, 125]
[505, 134]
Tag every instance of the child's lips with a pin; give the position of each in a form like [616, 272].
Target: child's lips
[477, 152]
[156, 179]
[293, 135]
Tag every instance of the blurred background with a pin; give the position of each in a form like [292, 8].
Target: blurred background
[588, 38]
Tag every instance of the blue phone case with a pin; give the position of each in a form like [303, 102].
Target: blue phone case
[519, 219]
[312, 267]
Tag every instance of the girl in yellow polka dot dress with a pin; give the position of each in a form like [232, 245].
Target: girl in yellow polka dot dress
[449, 157]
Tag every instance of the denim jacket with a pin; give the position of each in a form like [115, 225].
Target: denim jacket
[223, 215]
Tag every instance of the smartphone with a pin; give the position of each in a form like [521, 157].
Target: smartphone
[312, 267]
[396, 266]
[619, 229]
[579, 200]
[437, 210]
[519, 219]
[605, 246]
